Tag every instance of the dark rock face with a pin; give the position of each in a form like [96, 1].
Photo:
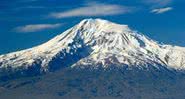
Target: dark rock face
[66, 59]
[10, 73]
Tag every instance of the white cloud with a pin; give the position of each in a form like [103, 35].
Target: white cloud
[93, 9]
[158, 2]
[36, 27]
[161, 10]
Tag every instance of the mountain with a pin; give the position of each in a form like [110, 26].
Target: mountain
[95, 42]
[95, 59]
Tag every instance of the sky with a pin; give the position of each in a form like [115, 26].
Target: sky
[28, 23]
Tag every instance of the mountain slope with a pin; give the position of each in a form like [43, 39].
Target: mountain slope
[93, 43]
[96, 59]
[101, 83]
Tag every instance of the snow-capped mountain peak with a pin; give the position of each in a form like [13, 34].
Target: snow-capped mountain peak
[95, 42]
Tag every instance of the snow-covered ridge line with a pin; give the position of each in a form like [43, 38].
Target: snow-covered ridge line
[97, 41]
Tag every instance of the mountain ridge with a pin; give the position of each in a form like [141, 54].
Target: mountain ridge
[95, 42]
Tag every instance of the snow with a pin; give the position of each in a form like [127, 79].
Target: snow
[109, 43]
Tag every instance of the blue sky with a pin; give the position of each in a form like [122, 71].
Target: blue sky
[27, 23]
